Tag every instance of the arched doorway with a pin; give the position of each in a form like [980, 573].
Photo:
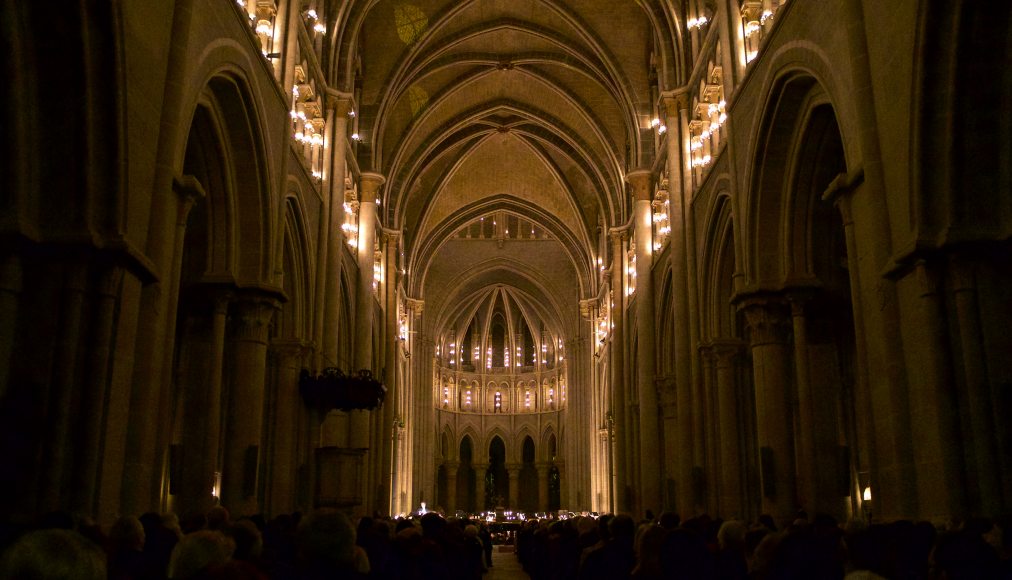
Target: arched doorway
[528, 497]
[554, 500]
[465, 476]
[496, 479]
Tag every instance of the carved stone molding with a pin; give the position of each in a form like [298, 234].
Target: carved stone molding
[415, 305]
[189, 192]
[620, 234]
[674, 102]
[371, 183]
[340, 103]
[251, 318]
[587, 307]
[768, 320]
[726, 350]
[291, 352]
[640, 182]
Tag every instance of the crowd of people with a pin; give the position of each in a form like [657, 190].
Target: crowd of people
[326, 544]
[704, 548]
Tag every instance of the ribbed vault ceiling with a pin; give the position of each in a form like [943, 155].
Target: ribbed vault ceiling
[537, 108]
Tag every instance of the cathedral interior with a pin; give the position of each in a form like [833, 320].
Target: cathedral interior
[734, 257]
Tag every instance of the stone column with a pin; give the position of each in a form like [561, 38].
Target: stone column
[563, 500]
[385, 500]
[725, 353]
[543, 469]
[199, 388]
[894, 436]
[983, 451]
[251, 316]
[479, 486]
[289, 357]
[451, 486]
[707, 430]
[213, 403]
[57, 459]
[149, 428]
[675, 108]
[583, 417]
[513, 470]
[864, 443]
[650, 476]
[670, 461]
[10, 298]
[89, 456]
[371, 183]
[938, 456]
[329, 252]
[808, 477]
[616, 355]
[769, 328]
[425, 478]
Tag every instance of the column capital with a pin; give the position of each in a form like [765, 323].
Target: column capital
[928, 277]
[725, 350]
[371, 182]
[390, 235]
[290, 350]
[839, 189]
[543, 467]
[454, 465]
[513, 469]
[799, 292]
[619, 234]
[251, 316]
[220, 301]
[664, 383]
[961, 272]
[415, 305]
[587, 306]
[768, 320]
[188, 188]
[705, 351]
[340, 102]
[188, 191]
[671, 102]
[640, 181]
[212, 297]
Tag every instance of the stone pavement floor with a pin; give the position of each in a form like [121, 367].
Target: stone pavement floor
[505, 566]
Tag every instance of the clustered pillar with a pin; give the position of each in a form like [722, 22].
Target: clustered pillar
[768, 330]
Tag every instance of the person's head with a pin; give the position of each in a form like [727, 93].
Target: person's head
[622, 527]
[248, 540]
[669, 520]
[127, 533]
[217, 518]
[55, 554]
[603, 525]
[404, 524]
[433, 525]
[731, 535]
[649, 544]
[684, 555]
[199, 550]
[327, 539]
